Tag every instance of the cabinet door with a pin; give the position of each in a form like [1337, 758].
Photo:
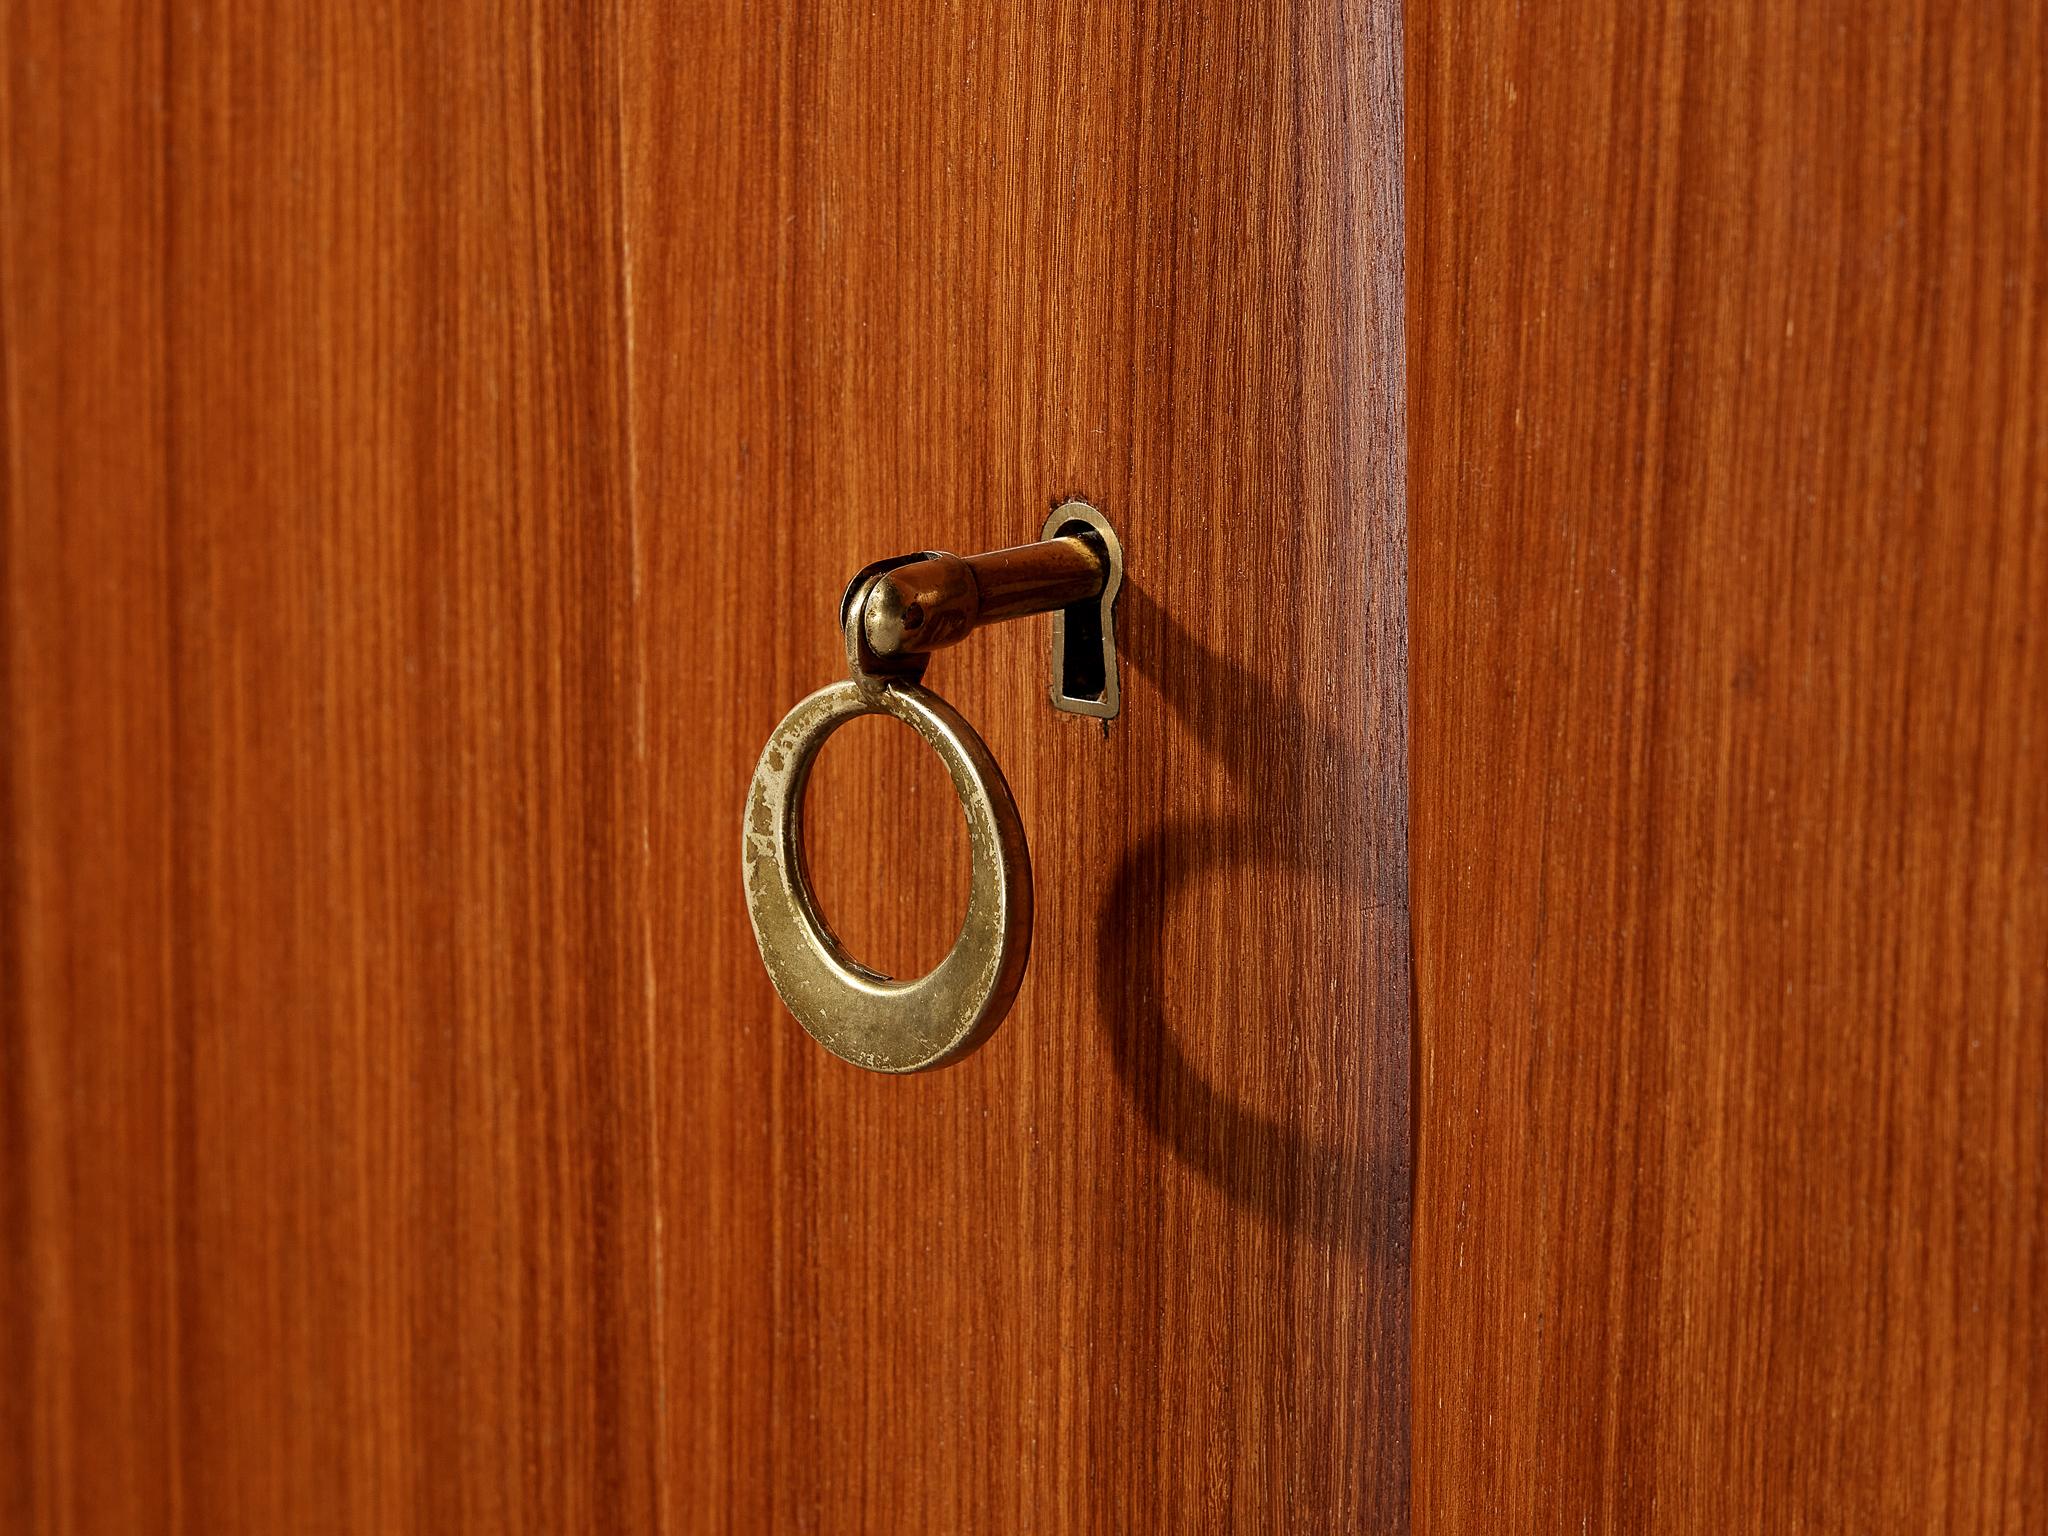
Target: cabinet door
[1727, 327]
[894, 286]
[436, 439]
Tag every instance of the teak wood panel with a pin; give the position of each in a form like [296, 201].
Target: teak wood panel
[434, 441]
[1141, 1263]
[328, 1089]
[1730, 524]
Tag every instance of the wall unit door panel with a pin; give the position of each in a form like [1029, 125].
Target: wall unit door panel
[1730, 520]
[434, 441]
[896, 283]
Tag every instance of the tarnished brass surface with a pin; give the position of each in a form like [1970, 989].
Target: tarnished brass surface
[867, 1018]
[893, 614]
[939, 600]
[862, 659]
[1084, 673]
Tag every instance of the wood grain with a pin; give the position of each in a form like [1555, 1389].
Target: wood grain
[435, 438]
[1730, 518]
[327, 1088]
[906, 281]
